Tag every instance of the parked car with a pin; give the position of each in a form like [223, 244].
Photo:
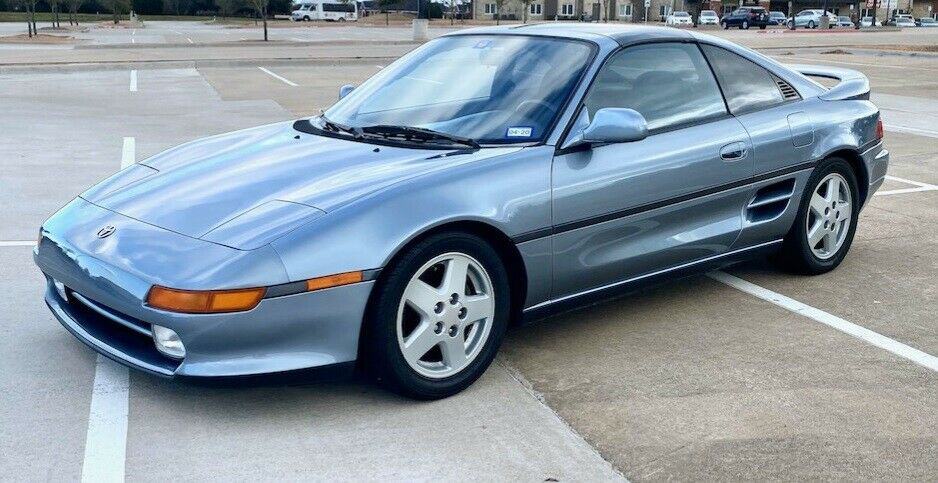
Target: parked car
[468, 185]
[777, 18]
[745, 17]
[812, 19]
[926, 22]
[844, 21]
[679, 18]
[708, 17]
[868, 22]
[903, 21]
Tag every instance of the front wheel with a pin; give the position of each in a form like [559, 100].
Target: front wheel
[437, 317]
[826, 220]
[724, 25]
[762, 27]
[811, 24]
[745, 25]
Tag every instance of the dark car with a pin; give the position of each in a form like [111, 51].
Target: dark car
[777, 18]
[745, 17]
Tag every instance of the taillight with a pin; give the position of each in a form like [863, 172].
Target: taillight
[879, 129]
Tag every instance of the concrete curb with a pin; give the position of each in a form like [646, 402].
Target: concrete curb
[244, 43]
[63, 67]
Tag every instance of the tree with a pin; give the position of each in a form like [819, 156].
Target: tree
[386, 6]
[227, 8]
[116, 7]
[176, 7]
[260, 7]
[526, 7]
[498, 10]
[638, 6]
[54, 7]
[73, 6]
[29, 6]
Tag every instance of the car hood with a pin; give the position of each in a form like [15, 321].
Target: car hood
[244, 189]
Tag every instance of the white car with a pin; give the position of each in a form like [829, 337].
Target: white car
[679, 18]
[708, 17]
[904, 21]
[868, 22]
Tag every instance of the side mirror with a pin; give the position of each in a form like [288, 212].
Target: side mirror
[611, 125]
[345, 90]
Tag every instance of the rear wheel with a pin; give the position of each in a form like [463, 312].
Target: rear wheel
[438, 317]
[811, 24]
[724, 25]
[826, 220]
[744, 25]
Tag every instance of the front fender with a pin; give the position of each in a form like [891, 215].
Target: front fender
[510, 192]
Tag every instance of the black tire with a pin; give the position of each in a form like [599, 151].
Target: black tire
[811, 24]
[795, 255]
[725, 25]
[744, 25]
[762, 27]
[380, 351]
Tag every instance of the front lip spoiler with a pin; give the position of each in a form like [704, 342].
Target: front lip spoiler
[100, 347]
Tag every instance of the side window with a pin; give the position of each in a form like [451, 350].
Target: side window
[747, 86]
[668, 83]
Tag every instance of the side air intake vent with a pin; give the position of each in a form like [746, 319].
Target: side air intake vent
[788, 92]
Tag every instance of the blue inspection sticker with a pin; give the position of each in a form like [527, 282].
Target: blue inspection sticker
[519, 132]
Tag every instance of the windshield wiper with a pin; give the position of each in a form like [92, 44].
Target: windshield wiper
[411, 133]
[337, 127]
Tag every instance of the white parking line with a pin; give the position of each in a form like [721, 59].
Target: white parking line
[106, 440]
[921, 358]
[379, 67]
[17, 243]
[190, 40]
[128, 153]
[911, 130]
[919, 186]
[275, 76]
[133, 81]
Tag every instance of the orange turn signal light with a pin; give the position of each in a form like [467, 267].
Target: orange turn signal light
[336, 280]
[204, 301]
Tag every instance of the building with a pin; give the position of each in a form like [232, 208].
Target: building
[634, 11]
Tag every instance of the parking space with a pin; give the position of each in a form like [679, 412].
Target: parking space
[691, 380]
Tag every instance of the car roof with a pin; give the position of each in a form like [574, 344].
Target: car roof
[622, 34]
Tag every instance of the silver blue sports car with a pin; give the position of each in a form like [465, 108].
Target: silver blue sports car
[489, 176]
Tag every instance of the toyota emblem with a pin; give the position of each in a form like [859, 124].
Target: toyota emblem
[107, 231]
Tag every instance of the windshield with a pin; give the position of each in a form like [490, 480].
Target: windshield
[681, 14]
[492, 89]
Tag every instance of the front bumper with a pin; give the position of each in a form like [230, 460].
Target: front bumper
[103, 307]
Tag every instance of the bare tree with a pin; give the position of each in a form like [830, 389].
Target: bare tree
[30, 8]
[227, 8]
[260, 7]
[526, 7]
[638, 6]
[386, 5]
[116, 7]
[54, 7]
[498, 10]
[73, 6]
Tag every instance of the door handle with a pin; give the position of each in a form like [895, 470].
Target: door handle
[734, 151]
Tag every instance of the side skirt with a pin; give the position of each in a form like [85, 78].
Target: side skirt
[623, 287]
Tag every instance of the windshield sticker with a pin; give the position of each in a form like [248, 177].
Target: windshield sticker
[519, 132]
[483, 44]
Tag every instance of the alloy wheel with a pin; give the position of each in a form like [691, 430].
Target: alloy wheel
[445, 315]
[828, 217]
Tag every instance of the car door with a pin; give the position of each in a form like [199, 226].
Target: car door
[782, 135]
[624, 210]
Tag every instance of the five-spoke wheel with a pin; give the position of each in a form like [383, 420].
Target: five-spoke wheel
[445, 315]
[437, 316]
[827, 220]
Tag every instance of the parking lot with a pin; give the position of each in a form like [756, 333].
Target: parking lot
[746, 374]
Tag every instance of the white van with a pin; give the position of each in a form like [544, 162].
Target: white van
[335, 11]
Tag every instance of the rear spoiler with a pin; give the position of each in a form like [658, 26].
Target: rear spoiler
[852, 85]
